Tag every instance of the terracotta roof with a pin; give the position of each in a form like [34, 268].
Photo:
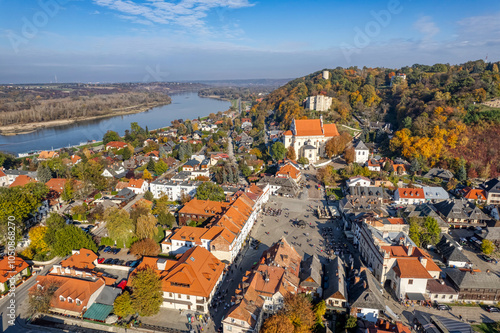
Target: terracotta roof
[476, 194]
[191, 234]
[71, 288]
[5, 267]
[411, 268]
[2, 174]
[82, 259]
[397, 220]
[154, 152]
[400, 251]
[47, 154]
[75, 158]
[142, 200]
[330, 130]
[195, 273]
[289, 171]
[121, 185]
[135, 183]
[284, 255]
[203, 207]
[288, 132]
[411, 193]
[22, 180]
[314, 127]
[57, 184]
[116, 144]
[248, 309]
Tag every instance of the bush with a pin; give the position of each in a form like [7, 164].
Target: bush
[106, 241]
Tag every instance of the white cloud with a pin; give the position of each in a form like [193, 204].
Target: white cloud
[426, 26]
[186, 13]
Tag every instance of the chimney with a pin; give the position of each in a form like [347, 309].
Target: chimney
[410, 249]
[423, 261]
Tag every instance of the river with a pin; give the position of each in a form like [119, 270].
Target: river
[184, 106]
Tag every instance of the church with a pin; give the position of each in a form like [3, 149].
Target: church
[308, 137]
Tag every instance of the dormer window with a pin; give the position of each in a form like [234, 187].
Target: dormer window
[70, 300]
[78, 302]
[61, 298]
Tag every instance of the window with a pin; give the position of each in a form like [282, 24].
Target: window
[410, 281]
[179, 295]
[229, 327]
[442, 297]
[187, 297]
[171, 295]
[451, 296]
[358, 311]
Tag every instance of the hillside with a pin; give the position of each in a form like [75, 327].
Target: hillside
[436, 111]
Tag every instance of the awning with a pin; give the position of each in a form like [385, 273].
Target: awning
[98, 312]
[415, 296]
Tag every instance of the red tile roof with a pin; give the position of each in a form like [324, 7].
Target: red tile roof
[288, 171]
[22, 180]
[57, 184]
[411, 268]
[6, 271]
[314, 127]
[135, 183]
[116, 144]
[81, 260]
[411, 193]
[476, 194]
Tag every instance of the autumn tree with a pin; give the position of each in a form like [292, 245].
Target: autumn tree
[290, 153]
[299, 310]
[145, 247]
[146, 226]
[487, 246]
[122, 307]
[278, 323]
[146, 175]
[349, 155]
[147, 295]
[40, 297]
[37, 237]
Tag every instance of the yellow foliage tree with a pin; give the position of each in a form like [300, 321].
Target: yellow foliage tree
[147, 175]
[37, 235]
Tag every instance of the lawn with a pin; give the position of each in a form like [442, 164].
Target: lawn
[486, 328]
[337, 192]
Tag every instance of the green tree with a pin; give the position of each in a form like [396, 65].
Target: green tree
[161, 167]
[414, 232]
[122, 306]
[462, 173]
[147, 295]
[43, 173]
[71, 238]
[68, 192]
[210, 191]
[432, 229]
[119, 224]
[407, 122]
[303, 160]
[351, 322]
[415, 166]
[148, 196]
[126, 154]
[151, 165]
[278, 151]
[146, 226]
[110, 136]
[166, 219]
[53, 222]
[487, 246]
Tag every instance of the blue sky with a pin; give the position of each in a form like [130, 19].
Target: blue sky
[171, 40]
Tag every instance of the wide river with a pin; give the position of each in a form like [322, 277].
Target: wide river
[184, 106]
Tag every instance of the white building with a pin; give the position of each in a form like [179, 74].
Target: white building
[326, 75]
[173, 189]
[359, 181]
[319, 103]
[308, 137]
[409, 196]
[138, 186]
[362, 153]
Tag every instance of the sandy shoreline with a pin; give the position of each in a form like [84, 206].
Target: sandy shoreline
[17, 129]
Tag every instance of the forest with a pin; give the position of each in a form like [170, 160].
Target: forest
[436, 111]
[22, 104]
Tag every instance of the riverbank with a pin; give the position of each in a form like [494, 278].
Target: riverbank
[18, 129]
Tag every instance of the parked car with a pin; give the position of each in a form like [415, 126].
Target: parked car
[100, 260]
[108, 261]
[101, 248]
[491, 308]
[116, 251]
[120, 262]
[487, 258]
[107, 249]
[442, 307]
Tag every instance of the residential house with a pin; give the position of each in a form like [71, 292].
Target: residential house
[476, 195]
[492, 188]
[11, 272]
[116, 170]
[13, 174]
[441, 291]
[246, 315]
[4, 180]
[335, 288]
[311, 276]
[246, 123]
[429, 322]
[361, 153]
[22, 180]
[123, 197]
[385, 326]
[374, 165]
[190, 282]
[116, 145]
[308, 137]
[73, 296]
[442, 174]
[138, 186]
[174, 189]
[475, 286]
[459, 213]
[490, 233]
[80, 264]
[451, 252]
[435, 194]
[289, 170]
[358, 181]
[365, 297]
[191, 165]
[56, 184]
[47, 155]
[409, 196]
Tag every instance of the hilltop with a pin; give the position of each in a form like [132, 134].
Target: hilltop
[437, 112]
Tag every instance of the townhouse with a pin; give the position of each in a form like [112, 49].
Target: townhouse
[365, 297]
[289, 170]
[459, 213]
[335, 292]
[409, 196]
[492, 188]
[475, 286]
[190, 282]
